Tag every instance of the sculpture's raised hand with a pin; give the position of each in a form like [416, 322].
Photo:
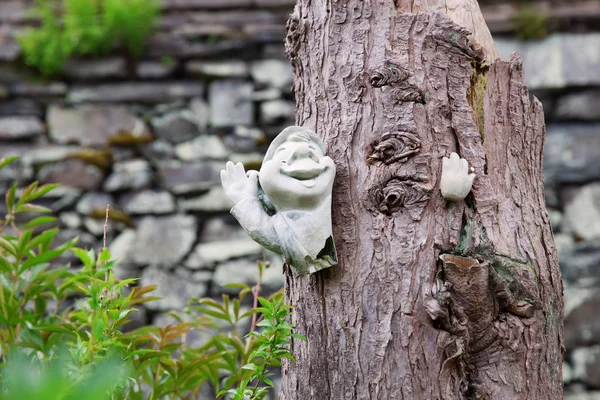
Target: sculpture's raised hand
[238, 184]
[456, 181]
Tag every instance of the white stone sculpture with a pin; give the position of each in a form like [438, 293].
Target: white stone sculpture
[456, 181]
[286, 207]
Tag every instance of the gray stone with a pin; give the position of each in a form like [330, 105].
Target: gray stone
[245, 140]
[591, 395]
[188, 178]
[557, 61]
[206, 255]
[156, 69]
[219, 228]
[217, 69]
[564, 242]
[231, 103]
[120, 248]
[246, 271]
[136, 92]
[556, 219]
[273, 73]
[129, 175]
[95, 69]
[20, 128]
[70, 219]
[20, 107]
[572, 154]
[9, 47]
[73, 173]
[47, 154]
[214, 201]
[205, 4]
[3, 92]
[14, 11]
[586, 365]
[581, 262]
[175, 291]
[37, 90]
[94, 126]
[157, 151]
[91, 202]
[584, 106]
[277, 112]
[201, 112]
[65, 198]
[582, 214]
[96, 226]
[177, 126]
[582, 327]
[148, 202]
[205, 147]
[266, 94]
[163, 241]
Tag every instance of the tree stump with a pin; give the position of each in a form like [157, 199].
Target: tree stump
[431, 299]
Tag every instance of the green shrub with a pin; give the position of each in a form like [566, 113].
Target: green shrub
[86, 28]
[62, 330]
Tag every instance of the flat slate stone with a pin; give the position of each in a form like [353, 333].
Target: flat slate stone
[174, 290]
[20, 107]
[205, 147]
[582, 214]
[129, 175]
[273, 73]
[46, 154]
[72, 173]
[20, 128]
[217, 69]
[93, 201]
[572, 153]
[94, 125]
[246, 271]
[177, 126]
[188, 178]
[586, 365]
[215, 201]
[156, 69]
[231, 103]
[36, 90]
[561, 60]
[583, 106]
[148, 202]
[163, 241]
[95, 69]
[278, 112]
[148, 92]
[207, 255]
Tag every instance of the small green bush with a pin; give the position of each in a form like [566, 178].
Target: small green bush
[62, 333]
[86, 28]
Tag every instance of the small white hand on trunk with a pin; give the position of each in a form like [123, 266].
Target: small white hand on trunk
[238, 184]
[456, 181]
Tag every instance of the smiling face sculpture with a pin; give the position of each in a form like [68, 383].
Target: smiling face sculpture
[293, 215]
[295, 173]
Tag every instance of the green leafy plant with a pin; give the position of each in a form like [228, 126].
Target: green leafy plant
[531, 23]
[63, 329]
[71, 28]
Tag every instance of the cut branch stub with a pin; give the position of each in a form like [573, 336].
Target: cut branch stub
[388, 74]
[395, 147]
[397, 194]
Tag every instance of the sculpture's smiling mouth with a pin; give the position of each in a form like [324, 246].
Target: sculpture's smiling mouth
[305, 170]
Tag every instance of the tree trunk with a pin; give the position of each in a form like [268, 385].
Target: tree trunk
[431, 299]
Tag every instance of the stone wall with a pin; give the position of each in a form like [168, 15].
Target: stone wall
[149, 139]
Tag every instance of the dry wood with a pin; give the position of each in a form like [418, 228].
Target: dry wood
[431, 300]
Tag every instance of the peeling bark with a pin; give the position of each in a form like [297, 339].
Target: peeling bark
[431, 299]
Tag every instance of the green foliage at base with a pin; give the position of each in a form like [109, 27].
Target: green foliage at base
[71, 28]
[62, 329]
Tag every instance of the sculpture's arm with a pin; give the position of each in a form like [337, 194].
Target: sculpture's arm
[242, 190]
[251, 215]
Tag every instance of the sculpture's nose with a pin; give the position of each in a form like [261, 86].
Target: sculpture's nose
[303, 151]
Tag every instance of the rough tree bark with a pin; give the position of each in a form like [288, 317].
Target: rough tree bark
[431, 299]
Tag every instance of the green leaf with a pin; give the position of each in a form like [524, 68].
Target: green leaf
[42, 190]
[25, 208]
[104, 256]
[86, 257]
[10, 197]
[7, 160]
[250, 367]
[40, 221]
[42, 258]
